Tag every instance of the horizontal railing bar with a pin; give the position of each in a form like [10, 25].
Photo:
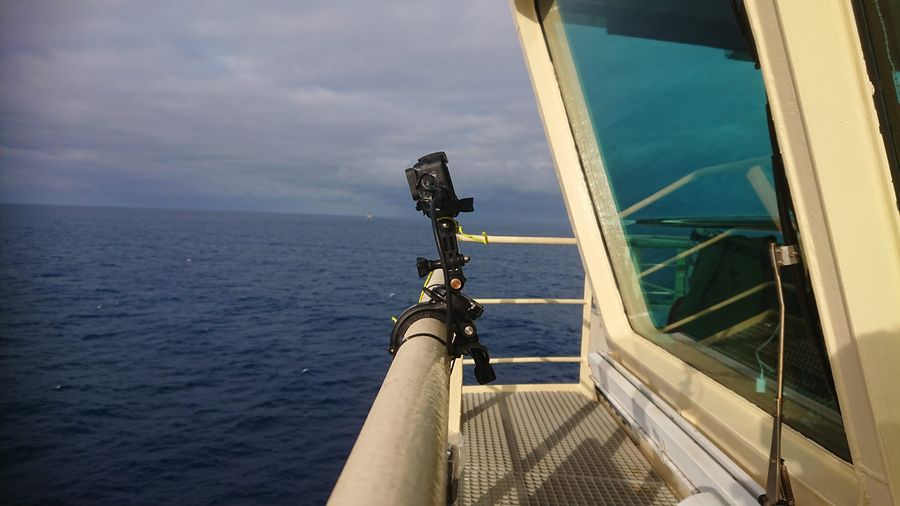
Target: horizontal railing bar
[717, 306]
[528, 360]
[532, 301]
[513, 239]
[525, 387]
[660, 241]
[690, 177]
[637, 240]
[688, 252]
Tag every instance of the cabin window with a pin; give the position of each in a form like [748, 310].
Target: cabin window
[879, 29]
[668, 111]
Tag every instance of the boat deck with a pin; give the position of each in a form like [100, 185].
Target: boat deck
[551, 448]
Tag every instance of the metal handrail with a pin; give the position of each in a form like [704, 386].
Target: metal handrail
[456, 377]
[484, 238]
[531, 301]
[515, 239]
[400, 454]
[528, 360]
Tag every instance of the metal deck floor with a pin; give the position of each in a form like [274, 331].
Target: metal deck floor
[551, 448]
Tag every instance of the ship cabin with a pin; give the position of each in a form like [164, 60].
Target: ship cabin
[730, 171]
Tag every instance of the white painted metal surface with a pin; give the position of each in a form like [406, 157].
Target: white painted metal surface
[400, 455]
[704, 465]
[510, 239]
[529, 360]
[823, 111]
[821, 104]
[531, 301]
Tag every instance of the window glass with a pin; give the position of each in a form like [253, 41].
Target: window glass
[669, 114]
[879, 27]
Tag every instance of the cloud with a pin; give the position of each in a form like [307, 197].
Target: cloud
[298, 106]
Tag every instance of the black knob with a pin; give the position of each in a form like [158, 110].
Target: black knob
[424, 266]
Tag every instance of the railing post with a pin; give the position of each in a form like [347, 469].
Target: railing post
[584, 370]
[455, 415]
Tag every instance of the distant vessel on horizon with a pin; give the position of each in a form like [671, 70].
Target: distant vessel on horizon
[368, 216]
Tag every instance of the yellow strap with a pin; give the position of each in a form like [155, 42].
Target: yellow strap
[483, 239]
[427, 279]
[421, 295]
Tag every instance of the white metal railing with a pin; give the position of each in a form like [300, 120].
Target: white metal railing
[752, 175]
[685, 249]
[456, 379]
[513, 239]
[528, 360]
[400, 455]
[531, 301]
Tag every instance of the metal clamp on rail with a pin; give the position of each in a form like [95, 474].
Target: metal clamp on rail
[401, 455]
[411, 315]
[464, 333]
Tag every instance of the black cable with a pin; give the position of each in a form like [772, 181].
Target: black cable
[421, 334]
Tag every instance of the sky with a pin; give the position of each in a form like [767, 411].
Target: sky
[287, 106]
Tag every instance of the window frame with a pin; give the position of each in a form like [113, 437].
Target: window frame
[874, 57]
[710, 361]
[853, 289]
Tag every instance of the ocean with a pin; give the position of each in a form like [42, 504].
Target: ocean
[199, 357]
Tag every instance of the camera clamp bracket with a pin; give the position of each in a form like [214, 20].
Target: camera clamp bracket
[432, 190]
[465, 341]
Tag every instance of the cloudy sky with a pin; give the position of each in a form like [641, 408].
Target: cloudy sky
[312, 107]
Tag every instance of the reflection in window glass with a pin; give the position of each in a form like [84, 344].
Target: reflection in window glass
[879, 27]
[669, 114]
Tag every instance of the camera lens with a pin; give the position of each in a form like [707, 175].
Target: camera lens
[427, 182]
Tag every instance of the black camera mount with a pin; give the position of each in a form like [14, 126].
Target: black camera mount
[432, 190]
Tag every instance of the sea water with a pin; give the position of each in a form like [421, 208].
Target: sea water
[191, 357]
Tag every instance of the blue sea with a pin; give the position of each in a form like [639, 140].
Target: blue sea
[192, 357]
